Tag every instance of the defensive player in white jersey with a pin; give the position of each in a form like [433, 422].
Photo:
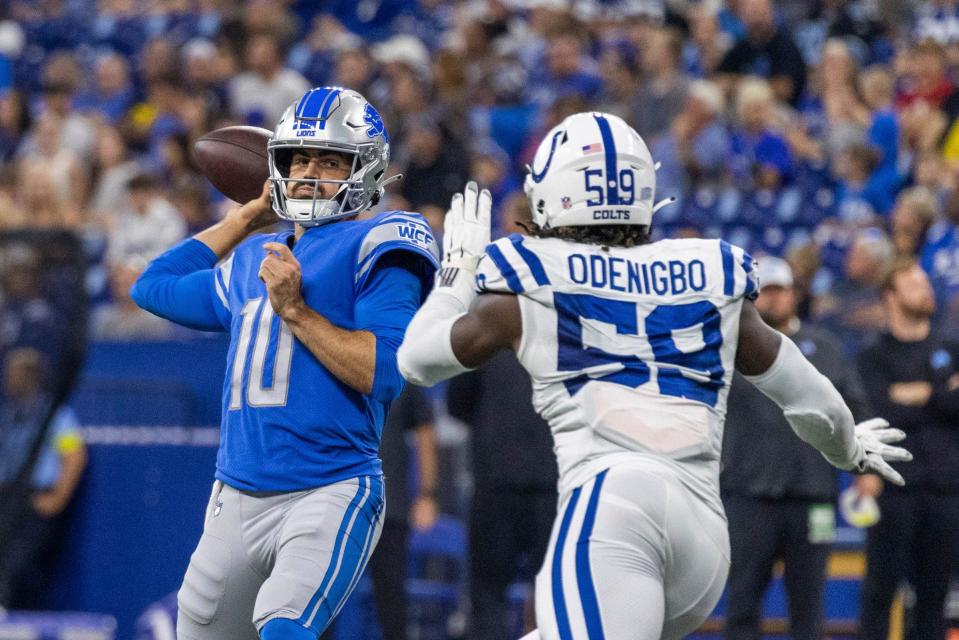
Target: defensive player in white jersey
[631, 347]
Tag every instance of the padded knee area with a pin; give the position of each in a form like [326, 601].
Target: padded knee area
[285, 629]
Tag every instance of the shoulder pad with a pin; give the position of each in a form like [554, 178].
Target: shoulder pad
[740, 276]
[509, 266]
[398, 230]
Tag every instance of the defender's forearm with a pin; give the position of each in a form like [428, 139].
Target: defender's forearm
[811, 405]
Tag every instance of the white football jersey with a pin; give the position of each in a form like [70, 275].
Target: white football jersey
[630, 350]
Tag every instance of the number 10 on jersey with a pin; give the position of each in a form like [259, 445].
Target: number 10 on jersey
[257, 393]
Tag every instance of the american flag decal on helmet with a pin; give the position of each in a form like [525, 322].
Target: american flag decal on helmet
[596, 147]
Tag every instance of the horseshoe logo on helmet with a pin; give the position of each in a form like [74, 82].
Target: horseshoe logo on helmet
[538, 176]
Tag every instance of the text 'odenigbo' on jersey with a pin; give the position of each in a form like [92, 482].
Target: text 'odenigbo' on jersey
[629, 349]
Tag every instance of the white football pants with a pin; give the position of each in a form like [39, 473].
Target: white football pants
[634, 555]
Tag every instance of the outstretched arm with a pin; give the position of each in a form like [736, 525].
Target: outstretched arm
[455, 330]
[810, 402]
[492, 324]
[443, 341]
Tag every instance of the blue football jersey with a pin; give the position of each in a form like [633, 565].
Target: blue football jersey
[288, 423]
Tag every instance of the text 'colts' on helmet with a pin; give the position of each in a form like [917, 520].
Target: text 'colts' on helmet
[329, 119]
[592, 169]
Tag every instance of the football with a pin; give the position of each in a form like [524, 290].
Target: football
[234, 160]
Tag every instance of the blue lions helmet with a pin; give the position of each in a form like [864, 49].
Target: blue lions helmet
[330, 119]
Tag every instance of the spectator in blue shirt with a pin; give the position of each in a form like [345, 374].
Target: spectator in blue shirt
[695, 151]
[760, 156]
[112, 94]
[315, 56]
[877, 86]
[861, 195]
[490, 167]
[831, 108]
[567, 71]
[499, 111]
[940, 259]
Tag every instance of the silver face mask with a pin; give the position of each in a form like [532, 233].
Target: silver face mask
[329, 119]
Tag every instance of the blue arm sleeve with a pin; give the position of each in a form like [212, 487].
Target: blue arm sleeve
[385, 306]
[179, 286]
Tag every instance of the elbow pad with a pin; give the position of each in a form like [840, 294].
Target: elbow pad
[811, 405]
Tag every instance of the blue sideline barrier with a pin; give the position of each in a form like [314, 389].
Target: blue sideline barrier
[139, 510]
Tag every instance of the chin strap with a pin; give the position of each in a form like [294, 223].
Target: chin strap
[391, 180]
[375, 200]
[664, 203]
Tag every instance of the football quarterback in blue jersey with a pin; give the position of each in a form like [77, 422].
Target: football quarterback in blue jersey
[315, 317]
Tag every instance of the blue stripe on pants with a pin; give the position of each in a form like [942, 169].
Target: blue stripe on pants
[584, 578]
[364, 557]
[559, 604]
[355, 554]
[361, 493]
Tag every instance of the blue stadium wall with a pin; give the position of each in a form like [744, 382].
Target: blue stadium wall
[150, 412]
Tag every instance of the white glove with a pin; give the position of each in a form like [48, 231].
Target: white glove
[426, 355]
[466, 230]
[873, 436]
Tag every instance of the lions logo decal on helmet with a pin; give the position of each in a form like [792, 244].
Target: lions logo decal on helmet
[372, 118]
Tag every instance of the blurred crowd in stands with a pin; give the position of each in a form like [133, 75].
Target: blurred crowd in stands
[825, 132]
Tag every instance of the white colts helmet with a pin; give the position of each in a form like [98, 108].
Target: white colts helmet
[592, 169]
